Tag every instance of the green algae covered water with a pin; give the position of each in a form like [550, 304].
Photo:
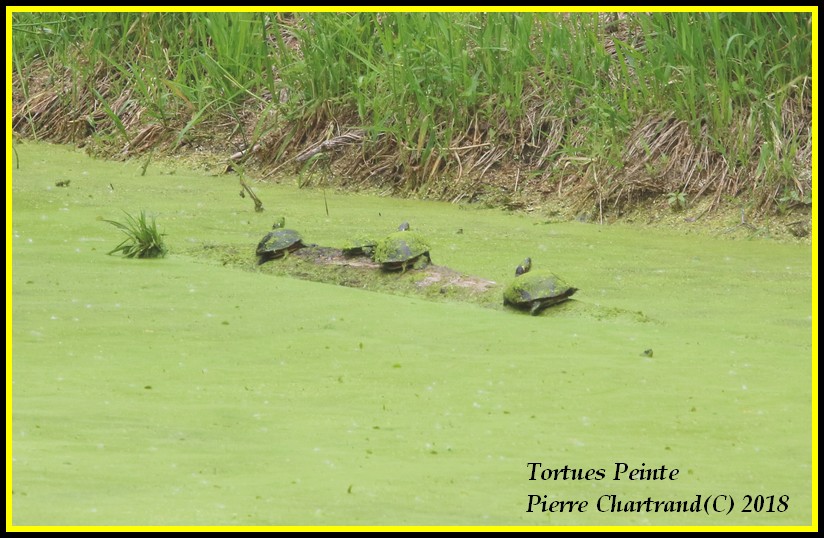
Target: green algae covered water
[186, 391]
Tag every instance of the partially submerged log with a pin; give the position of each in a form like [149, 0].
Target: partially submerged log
[364, 270]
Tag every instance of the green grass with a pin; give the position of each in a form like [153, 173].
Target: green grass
[707, 102]
[143, 240]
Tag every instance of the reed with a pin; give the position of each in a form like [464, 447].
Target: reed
[723, 96]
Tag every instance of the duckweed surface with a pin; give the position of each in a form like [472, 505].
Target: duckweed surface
[195, 391]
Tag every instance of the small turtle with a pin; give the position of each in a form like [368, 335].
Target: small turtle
[363, 245]
[278, 243]
[402, 249]
[525, 266]
[535, 291]
[360, 246]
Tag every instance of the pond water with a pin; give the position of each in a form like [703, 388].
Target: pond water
[186, 391]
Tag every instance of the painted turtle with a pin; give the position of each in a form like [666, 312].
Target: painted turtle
[360, 246]
[535, 291]
[277, 244]
[402, 249]
[363, 245]
[525, 266]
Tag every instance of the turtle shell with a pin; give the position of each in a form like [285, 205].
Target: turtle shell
[401, 250]
[360, 246]
[537, 290]
[277, 244]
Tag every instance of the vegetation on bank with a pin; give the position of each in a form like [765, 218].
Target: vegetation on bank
[143, 239]
[604, 109]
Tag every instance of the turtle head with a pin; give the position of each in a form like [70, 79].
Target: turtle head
[403, 227]
[279, 223]
[525, 266]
